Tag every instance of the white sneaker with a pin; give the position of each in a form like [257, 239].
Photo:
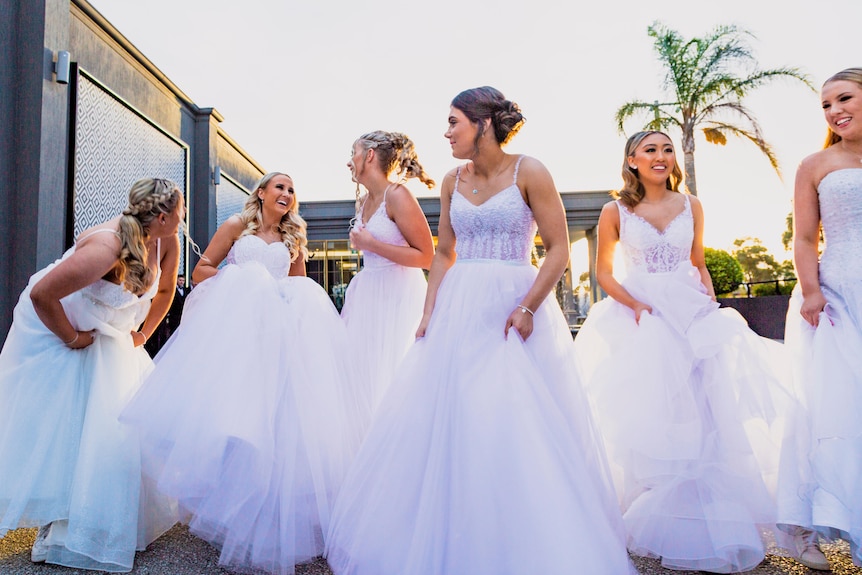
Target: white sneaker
[40, 549]
[808, 552]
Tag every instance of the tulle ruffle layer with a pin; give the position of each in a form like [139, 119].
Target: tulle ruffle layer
[64, 456]
[693, 407]
[382, 309]
[482, 457]
[250, 415]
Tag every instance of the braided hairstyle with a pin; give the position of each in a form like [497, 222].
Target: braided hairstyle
[291, 226]
[396, 152]
[633, 190]
[486, 102]
[850, 75]
[147, 199]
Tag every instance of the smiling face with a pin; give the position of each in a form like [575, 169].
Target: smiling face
[653, 158]
[842, 107]
[278, 194]
[461, 134]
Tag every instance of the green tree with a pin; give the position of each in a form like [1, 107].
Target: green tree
[787, 236]
[758, 265]
[725, 271]
[707, 79]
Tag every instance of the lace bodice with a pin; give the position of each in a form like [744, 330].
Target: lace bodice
[839, 194]
[384, 230]
[114, 305]
[500, 228]
[275, 257]
[648, 250]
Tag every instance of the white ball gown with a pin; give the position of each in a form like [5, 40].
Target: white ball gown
[382, 308]
[692, 405]
[249, 411]
[64, 457]
[482, 458]
[821, 481]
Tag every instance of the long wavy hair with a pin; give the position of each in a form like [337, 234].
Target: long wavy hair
[633, 190]
[291, 226]
[479, 104]
[850, 75]
[147, 199]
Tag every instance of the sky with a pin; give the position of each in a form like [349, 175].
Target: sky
[298, 81]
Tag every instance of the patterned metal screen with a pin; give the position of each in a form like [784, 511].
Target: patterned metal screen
[230, 197]
[116, 145]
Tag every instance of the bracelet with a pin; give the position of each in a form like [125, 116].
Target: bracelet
[142, 335]
[525, 309]
[73, 340]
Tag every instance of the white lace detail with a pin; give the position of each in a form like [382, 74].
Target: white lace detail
[275, 257]
[841, 215]
[116, 296]
[500, 228]
[648, 250]
[384, 230]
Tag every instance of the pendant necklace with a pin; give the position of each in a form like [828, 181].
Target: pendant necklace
[500, 171]
[842, 145]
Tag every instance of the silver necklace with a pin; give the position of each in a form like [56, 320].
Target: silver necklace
[843, 145]
[500, 171]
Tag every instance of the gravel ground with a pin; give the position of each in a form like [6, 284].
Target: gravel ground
[180, 553]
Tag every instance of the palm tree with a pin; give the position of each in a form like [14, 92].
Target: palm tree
[708, 78]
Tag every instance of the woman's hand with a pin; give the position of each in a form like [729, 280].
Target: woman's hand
[639, 308]
[522, 320]
[82, 339]
[138, 338]
[361, 239]
[423, 325]
[812, 305]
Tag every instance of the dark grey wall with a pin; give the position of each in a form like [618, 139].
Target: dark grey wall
[766, 315]
[33, 179]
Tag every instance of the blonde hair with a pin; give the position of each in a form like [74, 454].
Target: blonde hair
[633, 191]
[850, 75]
[147, 199]
[396, 153]
[291, 226]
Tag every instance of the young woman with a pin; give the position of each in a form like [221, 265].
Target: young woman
[383, 304]
[689, 400]
[821, 473]
[482, 457]
[249, 413]
[73, 356]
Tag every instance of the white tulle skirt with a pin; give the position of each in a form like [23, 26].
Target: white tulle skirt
[693, 407]
[64, 457]
[382, 309]
[821, 481]
[251, 416]
[482, 458]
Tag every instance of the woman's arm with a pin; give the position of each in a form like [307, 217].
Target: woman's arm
[92, 259]
[609, 236]
[445, 256]
[806, 240]
[297, 267]
[547, 207]
[217, 250]
[404, 210]
[169, 264]
[697, 257]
